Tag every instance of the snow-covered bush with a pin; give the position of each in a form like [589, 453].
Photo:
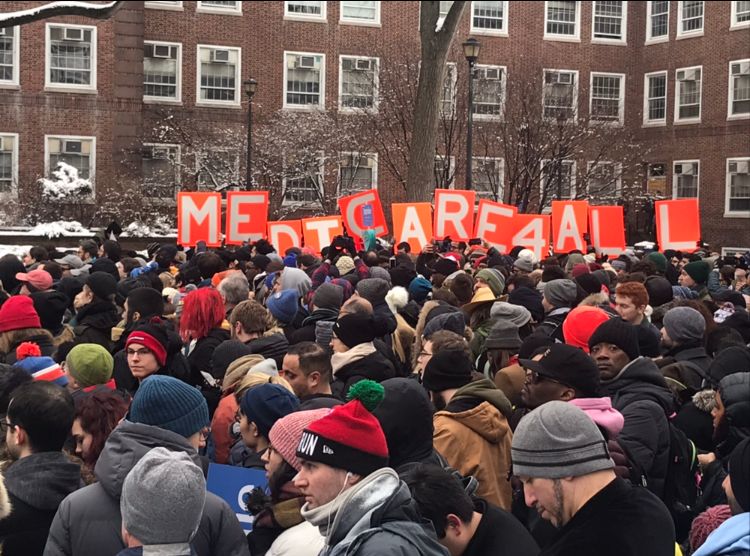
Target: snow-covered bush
[67, 186]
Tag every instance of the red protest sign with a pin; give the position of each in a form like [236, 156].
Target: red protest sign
[285, 234]
[569, 223]
[319, 232]
[454, 214]
[532, 232]
[412, 222]
[198, 218]
[607, 229]
[247, 215]
[495, 224]
[363, 211]
[678, 224]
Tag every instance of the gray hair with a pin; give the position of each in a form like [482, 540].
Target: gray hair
[235, 288]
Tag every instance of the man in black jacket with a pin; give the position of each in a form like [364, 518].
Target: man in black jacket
[37, 424]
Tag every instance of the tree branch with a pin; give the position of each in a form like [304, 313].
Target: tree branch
[54, 9]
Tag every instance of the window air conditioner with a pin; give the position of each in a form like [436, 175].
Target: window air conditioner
[72, 147]
[73, 34]
[306, 62]
[687, 75]
[162, 51]
[492, 74]
[2, 31]
[742, 167]
[220, 56]
[743, 68]
[363, 64]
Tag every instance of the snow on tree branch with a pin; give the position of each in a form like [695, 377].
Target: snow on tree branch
[67, 185]
[54, 9]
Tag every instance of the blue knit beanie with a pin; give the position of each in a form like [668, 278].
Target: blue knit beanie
[290, 260]
[283, 305]
[170, 404]
[419, 289]
[266, 404]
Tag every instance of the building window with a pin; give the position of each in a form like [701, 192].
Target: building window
[610, 21]
[689, 18]
[739, 89]
[445, 171]
[560, 94]
[162, 66]
[78, 152]
[360, 12]
[562, 20]
[489, 92]
[357, 172]
[687, 106]
[657, 21]
[487, 178]
[358, 83]
[220, 7]
[655, 98]
[304, 80]
[218, 169]
[8, 163]
[489, 18]
[608, 97]
[163, 5]
[740, 15]
[656, 186]
[71, 56]
[558, 180]
[448, 98]
[685, 179]
[9, 49]
[738, 186]
[315, 11]
[305, 186]
[218, 75]
[160, 167]
[604, 180]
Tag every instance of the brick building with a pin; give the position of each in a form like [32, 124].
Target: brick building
[100, 95]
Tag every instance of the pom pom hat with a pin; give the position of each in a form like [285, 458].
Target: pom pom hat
[349, 437]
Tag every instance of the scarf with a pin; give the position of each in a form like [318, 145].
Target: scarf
[360, 351]
[285, 513]
[320, 314]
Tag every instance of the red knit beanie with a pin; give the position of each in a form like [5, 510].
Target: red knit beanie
[143, 337]
[18, 312]
[706, 523]
[581, 323]
[349, 437]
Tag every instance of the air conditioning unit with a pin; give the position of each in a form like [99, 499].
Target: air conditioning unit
[687, 75]
[684, 169]
[306, 62]
[220, 56]
[742, 167]
[562, 78]
[72, 147]
[743, 68]
[492, 74]
[363, 64]
[2, 31]
[162, 51]
[73, 34]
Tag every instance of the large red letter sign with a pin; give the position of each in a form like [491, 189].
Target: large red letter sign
[247, 214]
[678, 224]
[198, 218]
[454, 214]
[319, 232]
[285, 234]
[495, 224]
[607, 230]
[412, 222]
[569, 225]
[353, 212]
[532, 233]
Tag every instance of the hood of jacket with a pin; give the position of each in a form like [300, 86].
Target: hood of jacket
[42, 480]
[731, 537]
[638, 380]
[50, 306]
[486, 391]
[126, 445]
[486, 419]
[321, 315]
[98, 314]
[270, 346]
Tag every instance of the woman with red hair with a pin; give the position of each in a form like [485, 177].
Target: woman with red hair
[97, 415]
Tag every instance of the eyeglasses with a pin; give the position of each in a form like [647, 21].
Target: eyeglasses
[5, 425]
[138, 352]
[205, 432]
[424, 353]
[533, 377]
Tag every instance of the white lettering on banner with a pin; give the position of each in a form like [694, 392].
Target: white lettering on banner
[531, 236]
[351, 209]
[444, 215]
[278, 230]
[596, 239]
[323, 229]
[307, 443]
[568, 229]
[666, 242]
[237, 216]
[485, 226]
[190, 211]
[413, 227]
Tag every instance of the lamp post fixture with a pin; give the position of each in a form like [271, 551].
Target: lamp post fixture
[250, 85]
[471, 52]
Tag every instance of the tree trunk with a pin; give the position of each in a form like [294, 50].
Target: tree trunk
[435, 44]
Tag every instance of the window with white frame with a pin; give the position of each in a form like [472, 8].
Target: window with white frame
[562, 19]
[740, 14]
[685, 179]
[738, 186]
[489, 91]
[655, 98]
[560, 94]
[163, 5]
[304, 186]
[302, 9]
[445, 171]
[9, 54]
[218, 169]
[656, 184]
[162, 67]
[610, 21]
[220, 7]
[71, 56]
[657, 21]
[360, 12]
[160, 167]
[78, 152]
[690, 18]
[487, 178]
[219, 75]
[607, 97]
[358, 83]
[304, 80]
[558, 180]
[604, 180]
[687, 106]
[8, 163]
[448, 98]
[739, 89]
[357, 172]
[489, 18]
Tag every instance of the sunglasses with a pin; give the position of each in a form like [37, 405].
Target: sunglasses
[533, 377]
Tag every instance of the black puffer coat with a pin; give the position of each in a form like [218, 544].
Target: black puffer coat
[374, 366]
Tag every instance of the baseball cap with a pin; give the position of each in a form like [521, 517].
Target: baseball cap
[41, 280]
[71, 261]
[569, 365]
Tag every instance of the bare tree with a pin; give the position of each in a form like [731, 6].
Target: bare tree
[54, 9]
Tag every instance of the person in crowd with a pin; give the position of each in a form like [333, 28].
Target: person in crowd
[29, 358]
[19, 323]
[161, 504]
[478, 311]
[704, 524]
[88, 367]
[88, 251]
[167, 413]
[471, 426]
[307, 367]
[561, 458]
[34, 281]
[638, 391]
[252, 324]
[40, 476]
[694, 277]
[97, 415]
[559, 298]
[374, 290]
[502, 345]
[631, 301]
[234, 289]
[580, 324]
[96, 313]
[11, 378]
[146, 350]
[682, 337]
[325, 306]
[466, 526]
[279, 528]
[34, 257]
[284, 306]
[359, 504]
[201, 330]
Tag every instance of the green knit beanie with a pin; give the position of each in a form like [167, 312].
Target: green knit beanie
[659, 260]
[698, 271]
[90, 364]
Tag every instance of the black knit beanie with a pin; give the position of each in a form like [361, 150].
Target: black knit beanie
[353, 330]
[619, 333]
[739, 473]
[447, 369]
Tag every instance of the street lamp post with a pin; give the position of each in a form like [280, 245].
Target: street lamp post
[471, 52]
[250, 86]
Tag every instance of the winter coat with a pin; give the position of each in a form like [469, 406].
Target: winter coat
[473, 435]
[94, 322]
[44, 341]
[165, 550]
[374, 366]
[696, 422]
[36, 485]
[88, 521]
[640, 393]
[306, 333]
[697, 356]
[200, 355]
[499, 534]
[301, 540]
[552, 324]
[619, 520]
[51, 306]
[731, 538]
[271, 346]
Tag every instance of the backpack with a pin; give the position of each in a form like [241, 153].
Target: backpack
[680, 488]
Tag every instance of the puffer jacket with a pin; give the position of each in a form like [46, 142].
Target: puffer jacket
[374, 366]
[88, 521]
[473, 435]
[640, 393]
[94, 322]
[272, 345]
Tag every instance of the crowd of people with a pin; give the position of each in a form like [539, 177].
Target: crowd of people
[458, 401]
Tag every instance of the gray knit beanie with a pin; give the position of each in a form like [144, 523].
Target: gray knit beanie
[517, 314]
[380, 272]
[561, 293]
[684, 325]
[571, 444]
[328, 296]
[162, 498]
[373, 290]
[503, 335]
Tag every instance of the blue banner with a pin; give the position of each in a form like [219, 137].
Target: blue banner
[234, 485]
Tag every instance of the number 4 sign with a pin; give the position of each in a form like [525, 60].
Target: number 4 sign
[533, 233]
